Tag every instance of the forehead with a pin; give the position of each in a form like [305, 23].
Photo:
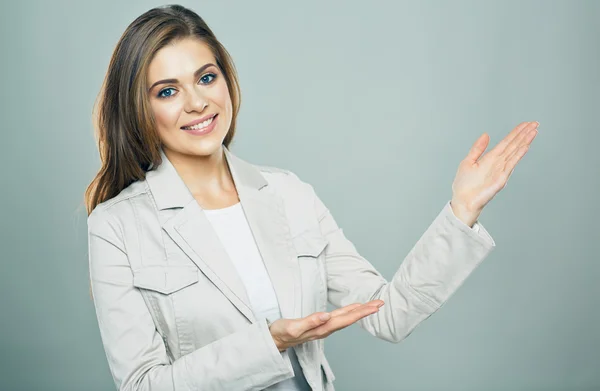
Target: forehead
[179, 60]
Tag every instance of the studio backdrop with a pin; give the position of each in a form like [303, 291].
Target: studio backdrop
[374, 104]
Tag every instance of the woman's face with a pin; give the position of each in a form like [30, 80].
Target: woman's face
[185, 85]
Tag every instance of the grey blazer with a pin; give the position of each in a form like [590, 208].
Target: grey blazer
[174, 315]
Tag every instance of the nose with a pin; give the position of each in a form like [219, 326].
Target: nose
[195, 101]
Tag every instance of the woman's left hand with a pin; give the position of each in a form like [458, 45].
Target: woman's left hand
[479, 179]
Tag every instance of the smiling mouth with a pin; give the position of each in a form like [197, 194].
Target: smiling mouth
[201, 125]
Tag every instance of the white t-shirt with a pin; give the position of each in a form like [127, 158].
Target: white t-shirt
[233, 230]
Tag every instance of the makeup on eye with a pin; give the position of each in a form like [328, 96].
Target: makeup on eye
[214, 76]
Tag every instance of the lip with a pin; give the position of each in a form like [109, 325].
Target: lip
[205, 130]
[197, 121]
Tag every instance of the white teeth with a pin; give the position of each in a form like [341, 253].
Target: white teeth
[200, 125]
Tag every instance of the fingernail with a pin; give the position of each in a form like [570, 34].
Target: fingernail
[380, 305]
[324, 317]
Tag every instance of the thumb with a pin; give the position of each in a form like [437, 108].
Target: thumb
[300, 326]
[478, 148]
[315, 320]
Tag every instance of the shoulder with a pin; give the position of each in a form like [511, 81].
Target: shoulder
[297, 193]
[105, 213]
[298, 198]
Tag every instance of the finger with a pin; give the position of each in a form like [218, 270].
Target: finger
[319, 318]
[309, 322]
[514, 158]
[502, 145]
[523, 140]
[351, 307]
[518, 140]
[344, 310]
[340, 322]
[353, 316]
[518, 153]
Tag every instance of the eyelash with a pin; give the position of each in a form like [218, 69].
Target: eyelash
[171, 88]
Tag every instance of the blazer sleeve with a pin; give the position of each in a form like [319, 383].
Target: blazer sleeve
[438, 264]
[136, 352]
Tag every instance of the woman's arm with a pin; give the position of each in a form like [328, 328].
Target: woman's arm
[444, 256]
[136, 352]
[433, 270]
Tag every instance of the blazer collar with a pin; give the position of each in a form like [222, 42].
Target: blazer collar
[170, 191]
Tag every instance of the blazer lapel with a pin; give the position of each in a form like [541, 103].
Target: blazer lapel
[193, 233]
[269, 225]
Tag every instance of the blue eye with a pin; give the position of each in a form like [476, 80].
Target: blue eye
[160, 94]
[207, 75]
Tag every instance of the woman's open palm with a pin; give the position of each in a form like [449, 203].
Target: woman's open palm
[479, 178]
[290, 332]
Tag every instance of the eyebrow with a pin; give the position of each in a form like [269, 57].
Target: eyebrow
[169, 81]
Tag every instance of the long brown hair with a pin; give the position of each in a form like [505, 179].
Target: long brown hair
[127, 139]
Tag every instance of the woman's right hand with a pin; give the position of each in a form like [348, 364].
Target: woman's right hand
[290, 332]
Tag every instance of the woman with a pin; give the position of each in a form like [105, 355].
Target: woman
[211, 273]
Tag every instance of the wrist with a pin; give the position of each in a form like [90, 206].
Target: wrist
[275, 340]
[464, 213]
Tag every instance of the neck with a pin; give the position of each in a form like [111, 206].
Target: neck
[203, 174]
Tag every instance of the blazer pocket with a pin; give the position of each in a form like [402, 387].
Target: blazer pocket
[310, 249]
[309, 244]
[165, 279]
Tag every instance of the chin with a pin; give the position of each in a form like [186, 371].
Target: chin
[205, 147]
[197, 146]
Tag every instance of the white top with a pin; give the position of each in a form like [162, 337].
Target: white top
[233, 230]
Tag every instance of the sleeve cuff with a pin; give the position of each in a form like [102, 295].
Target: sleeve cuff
[280, 358]
[478, 230]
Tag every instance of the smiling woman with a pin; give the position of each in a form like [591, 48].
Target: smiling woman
[171, 72]
[165, 117]
[211, 273]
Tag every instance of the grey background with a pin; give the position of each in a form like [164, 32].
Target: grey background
[372, 103]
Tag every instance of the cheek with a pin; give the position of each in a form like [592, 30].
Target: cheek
[166, 115]
[223, 98]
